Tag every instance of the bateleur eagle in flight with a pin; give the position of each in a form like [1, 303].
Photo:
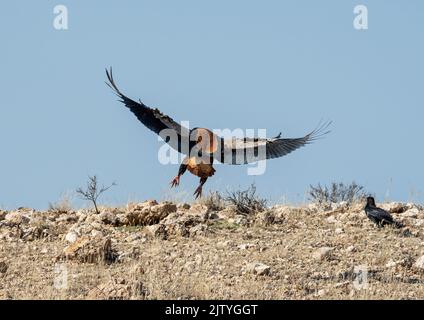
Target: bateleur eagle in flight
[202, 146]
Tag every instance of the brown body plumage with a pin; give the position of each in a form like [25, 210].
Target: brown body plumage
[197, 167]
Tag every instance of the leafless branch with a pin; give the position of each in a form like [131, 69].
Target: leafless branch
[92, 193]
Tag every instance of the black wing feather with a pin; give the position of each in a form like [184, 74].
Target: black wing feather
[255, 149]
[380, 215]
[151, 118]
[276, 148]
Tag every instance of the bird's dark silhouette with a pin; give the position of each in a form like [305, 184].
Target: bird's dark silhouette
[202, 146]
[379, 216]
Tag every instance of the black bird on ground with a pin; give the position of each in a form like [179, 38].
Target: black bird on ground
[379, 216]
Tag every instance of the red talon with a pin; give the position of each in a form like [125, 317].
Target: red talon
[198, 192]
[175, 182]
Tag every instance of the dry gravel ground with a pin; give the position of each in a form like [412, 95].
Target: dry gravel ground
[165, 251]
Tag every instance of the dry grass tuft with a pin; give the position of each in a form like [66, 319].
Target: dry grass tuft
[337, 192]
[246, 201]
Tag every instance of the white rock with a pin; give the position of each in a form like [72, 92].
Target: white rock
[340, 205]
[199, 230]
[350, 249]
[157, 230]
[394, 207]
[133, 237]
[122, 219]
[91, 218]
[96, 234]
[71, 237]
[81, 216]
[245, 246]
[172, 218]
[321, 292]
[341, 284]
[258, 268]
[313, 207]
[198, 209]
[419, 264]
[331, 219]
[96, 225]
[224, 244]
[411, 213]
[16, 218]
[339, 231]
[148, 213]
[281, 211]
[419, 222]
[199, 259]
[240, 220]
[263, 270]
[146, 210]
[413, 206]
[131, 206]
[108, 217]
[391, 264]
[322, 253]
[67, 218]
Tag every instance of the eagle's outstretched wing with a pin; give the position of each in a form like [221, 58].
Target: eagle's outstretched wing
[247, 150]
[172, 132]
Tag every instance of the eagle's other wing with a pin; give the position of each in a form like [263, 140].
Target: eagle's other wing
[172, 132]
[247, 150]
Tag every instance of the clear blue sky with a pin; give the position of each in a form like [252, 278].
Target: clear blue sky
[280, 65]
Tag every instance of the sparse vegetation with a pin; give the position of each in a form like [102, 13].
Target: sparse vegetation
[92, 193]
[336, 192]
[180, 252]
[214, 201]
[246, 201]
[224, 225]
[64, 204]
[308, 256]
[129, 229]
